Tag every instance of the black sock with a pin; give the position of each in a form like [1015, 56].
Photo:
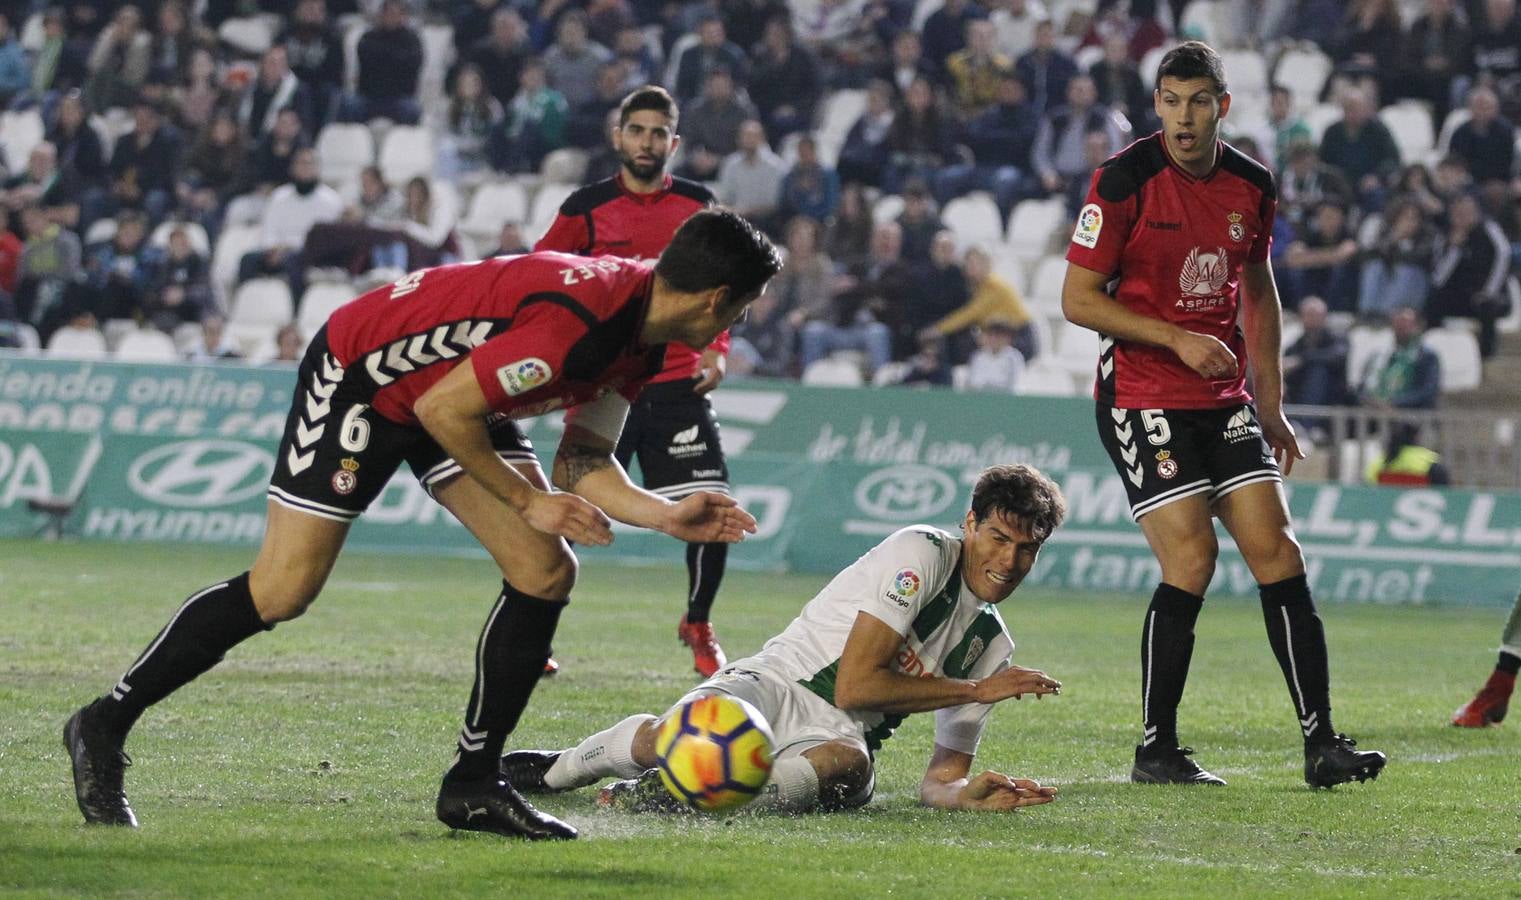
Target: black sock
[509, 659]
[209, 624]
[1299, 642]
[705, 572]
[1167, 645]
[1509, 663]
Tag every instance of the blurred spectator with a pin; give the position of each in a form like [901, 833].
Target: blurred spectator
[1410, 376]
[290, 344]
[992, 298]
[906, 63]
[1046, 69]
[1360, 146]
[1450, 180]
[198, 95]
[10, 262]
[919, 221]
[785, 85]
[1435, 53]
[43, 184]
[379, 205]
[572, 61]
[1395, 269]
[1001, 139]
[750, 179]
[944, 30]
[1366, 46]
[975, 69]
[1468, 279]
[214, 343]
[273, 153]
[1097, 148]
[144, 163]
[1315, 364]
[275, 88]
[473, 114]
[428, 226]
[1307, 183]
[927, 365]
[995, 365]
[510, 241]
[810, 188]
[863, 157]
[179, 283]
[606, 18]
[1135, 22]
[47, 274]
[848, 238]
[710, 126]
[314, 50]
[878, 287]
[1289, 130]
[390, 61]
[1061, 159]
[602, 161]
[640, 67]
[765, 342]
[500, 54]
[1014, 24]
[713, 50]
[175, 38]
[940, 288]
[79, 147]
[471, 19]
[587, 125]
[59, 64]
[1487, 141]
[1404, 462]
[119, 62]
[15, 74]
[1497, 51]
[1415, 185]
[1321, 261]
[292, 210]
[921, 139]
[1120, 86]
[534, 123]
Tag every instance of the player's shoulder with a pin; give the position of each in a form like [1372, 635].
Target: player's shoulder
[923, 544]
[692, 190]
[1122, 175]
[585, 199]
[1247, 169]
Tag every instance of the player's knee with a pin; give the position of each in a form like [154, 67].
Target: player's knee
[1191, 565]
[553, 579]
[281, 602]
[847, 781]
[1278, 559]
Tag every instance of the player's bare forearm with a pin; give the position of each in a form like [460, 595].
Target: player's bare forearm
[584, 465]
[1264, 332]
[453, 412]
[1085, 303]
[947, 785]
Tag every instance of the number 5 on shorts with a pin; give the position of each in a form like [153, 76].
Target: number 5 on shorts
[1157, 430]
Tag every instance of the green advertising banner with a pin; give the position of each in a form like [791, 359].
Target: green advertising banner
[183, 453]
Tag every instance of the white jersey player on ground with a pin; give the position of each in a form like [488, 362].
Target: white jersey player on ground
[909, 627]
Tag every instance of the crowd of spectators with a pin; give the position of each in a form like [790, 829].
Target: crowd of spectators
[162, 128]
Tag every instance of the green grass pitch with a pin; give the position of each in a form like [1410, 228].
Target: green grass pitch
[306, 764]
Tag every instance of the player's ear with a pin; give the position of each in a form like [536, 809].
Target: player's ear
[970, 524]
[675, 142]
[1225, 103]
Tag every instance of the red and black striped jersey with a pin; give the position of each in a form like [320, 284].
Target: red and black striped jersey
[1175, 246]
[542, 331]
[607, 219]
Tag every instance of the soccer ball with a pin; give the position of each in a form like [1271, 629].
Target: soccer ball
[714, 753]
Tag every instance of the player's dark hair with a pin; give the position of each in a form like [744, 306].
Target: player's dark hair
[1190, 60]
[717, 247]
[648, 97]
[1022, 493]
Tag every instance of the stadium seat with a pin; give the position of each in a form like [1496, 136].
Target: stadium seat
[342, 150]
[887, 208]
[438, 56]
[147, 345]
[1319, 117]
[232, 243]
[116, 330]
[1458, 350]
[1365, 345]
[1303, 70]
[408, 151]
[566, 165]
[1444, 139]
[1247, 71]
[974, 218]
[494, 204]
[1410, 123]
[19, 133]
[1041, 379]
[1207, 21]
[1510, 323]
[837, 115]
[1046, 287]
[262, 301]
[319, 301]
[1077, 349]
[100, 231]
[1034, 226]
[546, 204]
[82, 343]
[27, 338]
[250, 35]
[1011, 269]
[834, 371]
[199, 242]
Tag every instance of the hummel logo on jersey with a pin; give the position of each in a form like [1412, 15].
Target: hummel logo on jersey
[416, 351]
[1164, 226]
[1241, 427]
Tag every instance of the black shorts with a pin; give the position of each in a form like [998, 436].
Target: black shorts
[337, 453]
[1164, 455]
[672, 431]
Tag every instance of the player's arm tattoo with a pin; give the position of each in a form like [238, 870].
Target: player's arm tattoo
[574, 461]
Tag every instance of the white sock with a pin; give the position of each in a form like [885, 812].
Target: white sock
[793, 788]
[605, 754]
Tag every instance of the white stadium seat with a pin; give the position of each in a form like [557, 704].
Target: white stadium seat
[407, 151]
[546, 204]
[1458, 350]
[343, 148]
[1046, 287]
[1304, 72]
[1319, 117]
[887, 208]
[232, 243]
[250, 35]
[1365, 344]
[319, 302]
[19, 133]
[147, 345]
[494, 204]
[194, 231]
[1077, 349]
[1034, 226]
[82, 343]
[834, 371]
[566, 165]
[1410, 123]
[262, 301]
[974, 218]
[1041, 379]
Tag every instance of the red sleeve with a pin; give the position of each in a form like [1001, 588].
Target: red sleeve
[1101, 232]
[721, 343]
[1264, 243]
[566, 234]
[527, 356]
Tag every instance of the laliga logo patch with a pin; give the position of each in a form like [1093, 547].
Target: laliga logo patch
[1237, 230]
[524, 375]
[1167, 467]
[344, 480]
[905, 585]
[1090, 221]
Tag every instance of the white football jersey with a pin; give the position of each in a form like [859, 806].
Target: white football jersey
[912, 582]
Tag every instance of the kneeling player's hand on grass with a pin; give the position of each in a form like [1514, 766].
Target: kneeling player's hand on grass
[706, 517]
[571, 517]
[1016, 681]
[995, 791]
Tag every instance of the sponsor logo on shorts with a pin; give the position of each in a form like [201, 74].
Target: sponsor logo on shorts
[1167, 467]
[524, 375]
[344, 480]
[684, 443]
[1090, 221]
[905, 585]
[1242, 427]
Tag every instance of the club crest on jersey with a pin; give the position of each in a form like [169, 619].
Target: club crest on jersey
[1167, 467]
[1203, 278]
[524, 375]
[1237, 230]
[1090, 221]
[973, 652]
[344, 480]
[905, 585]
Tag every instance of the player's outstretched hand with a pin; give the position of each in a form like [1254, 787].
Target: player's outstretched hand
[1280, 436]
[710, 372]
[1016, 681]
[1207, 355]
[571, 517]
[999, 792]
[706, 517]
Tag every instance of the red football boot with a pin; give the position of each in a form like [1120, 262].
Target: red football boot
[1488, 707]
[707, 656]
